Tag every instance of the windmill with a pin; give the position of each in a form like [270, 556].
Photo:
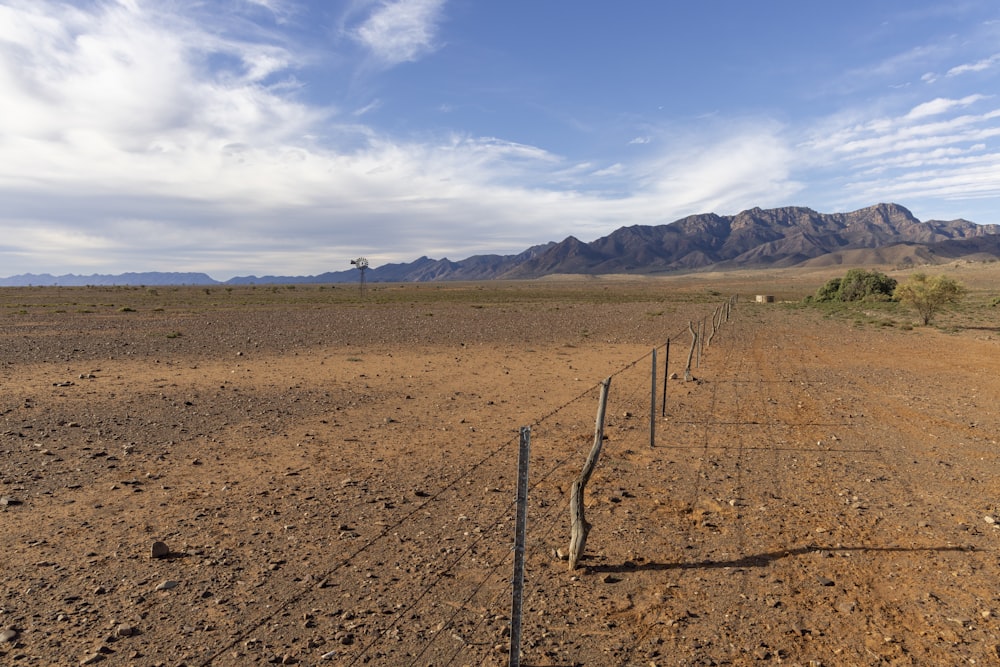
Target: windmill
[362, 264]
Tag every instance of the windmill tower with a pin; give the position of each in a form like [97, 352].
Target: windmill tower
[362, 264]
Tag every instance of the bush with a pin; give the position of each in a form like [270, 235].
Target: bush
[830, 291]
[858, 285]
[928, 296]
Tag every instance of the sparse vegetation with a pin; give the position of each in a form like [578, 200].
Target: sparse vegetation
[929, 295]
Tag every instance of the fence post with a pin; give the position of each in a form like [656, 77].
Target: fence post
[666, 370]
[578, 522]
[652, 404]
[694, 341]
[715, 326]
[520, 534]
[701, 342]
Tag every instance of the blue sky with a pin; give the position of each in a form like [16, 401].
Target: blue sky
[241, 137]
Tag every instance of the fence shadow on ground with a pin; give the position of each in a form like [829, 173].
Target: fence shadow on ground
[755, 560]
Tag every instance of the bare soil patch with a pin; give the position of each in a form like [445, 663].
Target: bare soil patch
[334, 478]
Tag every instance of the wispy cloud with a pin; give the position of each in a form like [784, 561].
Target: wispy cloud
[399, 31]
[978, 66]
[941, 105]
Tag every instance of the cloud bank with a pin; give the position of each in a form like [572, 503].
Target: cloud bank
[136, 138]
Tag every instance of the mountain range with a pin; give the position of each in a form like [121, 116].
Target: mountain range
[753, 239]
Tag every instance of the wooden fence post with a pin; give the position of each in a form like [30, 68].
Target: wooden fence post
[694, 341]
[715, 326]
[666, 370]
[578, 522]
[701, 342]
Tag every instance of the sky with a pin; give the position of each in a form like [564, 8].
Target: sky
[287, 137]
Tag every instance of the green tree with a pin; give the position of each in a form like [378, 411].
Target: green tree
[928, 295]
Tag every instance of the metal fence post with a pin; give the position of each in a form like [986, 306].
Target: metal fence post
[520, 532]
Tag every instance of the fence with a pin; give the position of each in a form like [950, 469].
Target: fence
[447, 596]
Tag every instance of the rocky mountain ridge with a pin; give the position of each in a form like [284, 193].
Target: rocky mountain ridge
[755, 238]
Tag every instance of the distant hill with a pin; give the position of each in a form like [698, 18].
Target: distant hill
[73, 280]
[756, 238]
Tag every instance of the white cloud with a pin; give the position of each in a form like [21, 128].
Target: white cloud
[978, 66]
[613, 170]
[401, 31]
[639, 141]
[941, 105]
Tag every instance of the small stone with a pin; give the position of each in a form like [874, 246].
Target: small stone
[8, 635]
[8, 501]
[159, 550]
[166, 585]
[989, 519]
[823, 581]
[561, 554]
[846, 607]
[92, 658]
[125, 631]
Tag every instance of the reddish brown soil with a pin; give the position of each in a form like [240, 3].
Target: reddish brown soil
[335, 481]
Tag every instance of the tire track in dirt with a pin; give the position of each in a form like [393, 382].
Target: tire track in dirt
[916, 537]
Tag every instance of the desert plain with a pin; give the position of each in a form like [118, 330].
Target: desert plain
[331, 474]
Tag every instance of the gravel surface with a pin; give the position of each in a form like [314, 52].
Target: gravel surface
[304, 477]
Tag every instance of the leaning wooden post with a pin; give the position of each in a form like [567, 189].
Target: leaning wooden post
[701, 342]
[715, 327]
[578, 522]
[666, 369]
[694, 341]
[652, 404]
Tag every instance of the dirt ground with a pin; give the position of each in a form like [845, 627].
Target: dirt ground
[334, 478]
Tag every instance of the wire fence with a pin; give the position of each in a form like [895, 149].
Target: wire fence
[443, 597]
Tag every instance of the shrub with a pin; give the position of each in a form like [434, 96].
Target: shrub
[858, 285]
[830, 291]
[929, 295]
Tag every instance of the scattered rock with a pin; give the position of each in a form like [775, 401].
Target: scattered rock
[125, 631]
[846, 607]
[823, 581]
[159, 550]
[166, 585]
[8, 635]
[7, 501]
[92, 658]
